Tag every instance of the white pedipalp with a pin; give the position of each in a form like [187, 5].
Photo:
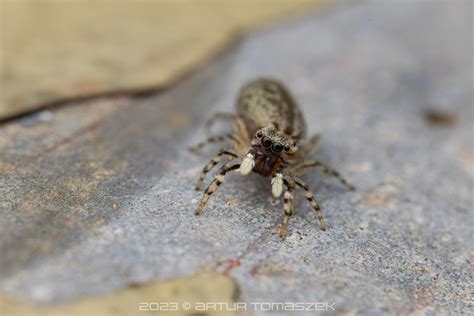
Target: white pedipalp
[277, 185]
[247, 164]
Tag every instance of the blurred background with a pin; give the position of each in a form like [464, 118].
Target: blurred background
[54, 50]
[99, 101]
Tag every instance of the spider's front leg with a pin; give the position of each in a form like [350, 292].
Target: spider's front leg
[288, 207]
[214, 161]
[214, 185]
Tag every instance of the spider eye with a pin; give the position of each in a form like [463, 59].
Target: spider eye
[259, 134]
[266, 142]
[287, 148]
[277, 148]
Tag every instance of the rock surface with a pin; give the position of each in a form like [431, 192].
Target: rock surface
[99, 195]
[61, 51]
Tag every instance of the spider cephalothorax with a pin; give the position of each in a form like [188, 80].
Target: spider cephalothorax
[274, 142]
[269, 129]
[271, 151]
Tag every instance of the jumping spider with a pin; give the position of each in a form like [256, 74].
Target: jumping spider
[269, 139]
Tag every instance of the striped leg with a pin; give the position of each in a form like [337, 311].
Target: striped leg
[214, 161]
[312, 201]
[303, 168]
[214, 185]
[212, 139]
[288, 208]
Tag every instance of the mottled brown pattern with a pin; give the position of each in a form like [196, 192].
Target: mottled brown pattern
[265, 102]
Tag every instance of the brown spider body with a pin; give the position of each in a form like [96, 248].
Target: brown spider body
[269, 131]
[266, 104]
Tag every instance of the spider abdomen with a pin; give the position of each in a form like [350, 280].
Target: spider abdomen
[266, 101]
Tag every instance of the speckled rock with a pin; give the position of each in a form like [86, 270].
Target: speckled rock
[90, 206]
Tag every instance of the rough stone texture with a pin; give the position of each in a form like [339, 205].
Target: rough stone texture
[93, 204]
[139, 299]
[61, 50]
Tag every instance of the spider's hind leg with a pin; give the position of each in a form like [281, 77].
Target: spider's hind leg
[312, 201]
[307, 165]
[309, 146]
[211, 140]
[219, 116]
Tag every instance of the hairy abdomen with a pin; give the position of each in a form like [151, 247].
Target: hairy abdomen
[266, 101]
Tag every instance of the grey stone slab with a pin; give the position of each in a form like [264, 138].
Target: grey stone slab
[106, 200]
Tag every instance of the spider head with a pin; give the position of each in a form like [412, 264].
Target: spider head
[270, 141]
[270, 148]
